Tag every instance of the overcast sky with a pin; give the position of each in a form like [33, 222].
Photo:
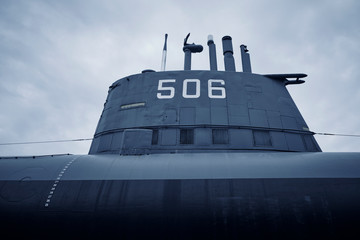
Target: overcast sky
[58, 58]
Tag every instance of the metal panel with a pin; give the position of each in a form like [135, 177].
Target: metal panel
[279, 140]
[170, 116]
[94, 145]
[136, 141]
[219, 116]
[127, 118]
[287, 106]
[238, 115]
[262, 139]
[203, 136]
[251, 88]
[202, 115]
[309, 143]
[241, 138]
[274, 119]
[105, 143]
[116, 141]
[258, 118]
[289, 122]
[295, 142]
[187, 116]
[168, 137]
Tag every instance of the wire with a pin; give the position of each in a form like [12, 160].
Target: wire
[38, 156]
[89, 139]
[54, 141]
[336, 134]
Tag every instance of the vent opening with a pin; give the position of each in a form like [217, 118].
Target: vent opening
[155, 137]
[220, 136]
[186, 136]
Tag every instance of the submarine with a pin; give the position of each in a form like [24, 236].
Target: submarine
[189, 154]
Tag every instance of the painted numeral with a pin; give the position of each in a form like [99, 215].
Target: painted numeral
[168, 92]
[185, 87]
[162, 88]
[212, 90]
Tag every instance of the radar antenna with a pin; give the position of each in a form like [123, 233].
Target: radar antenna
[188, 49]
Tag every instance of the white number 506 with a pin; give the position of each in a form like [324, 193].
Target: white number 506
[213, 92]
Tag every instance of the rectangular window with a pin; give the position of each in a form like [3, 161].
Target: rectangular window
[220, 136]
[186, 136]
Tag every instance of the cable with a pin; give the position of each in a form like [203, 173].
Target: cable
[336, 134]
[54, 141]
[89, 139]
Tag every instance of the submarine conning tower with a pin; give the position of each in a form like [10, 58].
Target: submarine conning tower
[202, 111]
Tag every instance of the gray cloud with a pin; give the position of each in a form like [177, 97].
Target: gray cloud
[59, 57]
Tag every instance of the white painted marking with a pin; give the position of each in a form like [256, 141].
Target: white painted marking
[170, 90]
[52, 191]
[185, 87]
[217, 90]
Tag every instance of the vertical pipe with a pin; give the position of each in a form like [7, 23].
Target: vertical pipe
[187, 61]
[163, 60]
[212, 53]
[228, 54]
[245, 59]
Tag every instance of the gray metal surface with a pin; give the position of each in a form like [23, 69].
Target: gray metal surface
[239, 103]
[246, 165]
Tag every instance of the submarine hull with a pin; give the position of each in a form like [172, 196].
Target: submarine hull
[127, 201]
[179, 209]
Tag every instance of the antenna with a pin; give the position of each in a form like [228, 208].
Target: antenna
[163, 60]
[188, 49]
